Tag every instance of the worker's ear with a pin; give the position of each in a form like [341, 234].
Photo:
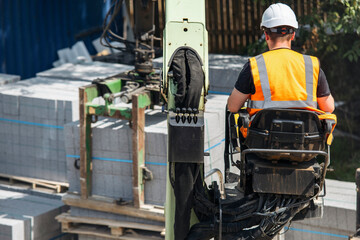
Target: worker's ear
[293, 36]
[267, 37]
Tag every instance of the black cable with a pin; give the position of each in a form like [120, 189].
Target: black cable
[108, 34]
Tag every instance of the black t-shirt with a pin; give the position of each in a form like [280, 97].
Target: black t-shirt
[245, 83]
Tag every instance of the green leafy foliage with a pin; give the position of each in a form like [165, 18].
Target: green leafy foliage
[338, 19]
[345, 159]
[334, 37]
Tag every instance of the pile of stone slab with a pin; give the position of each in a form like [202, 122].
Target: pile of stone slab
[25, 216]
[33, 114]
[112, 152]
[85, 71]
[112, 148]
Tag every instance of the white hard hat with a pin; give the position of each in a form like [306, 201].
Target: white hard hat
[278, 14]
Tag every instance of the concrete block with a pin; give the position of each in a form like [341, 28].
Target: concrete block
[80, 51]
[112, 150]
[31, 217]
[38, 123]
[99, 184]
[13, 229]
[73, 175]
[156, 144]
[60, 113]
[11, 106]
[25, 105]
[85, 71]
[66, 55]
[339, 215]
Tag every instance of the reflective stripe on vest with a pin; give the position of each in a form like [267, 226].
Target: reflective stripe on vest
[267, 101]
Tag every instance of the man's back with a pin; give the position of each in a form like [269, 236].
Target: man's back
[283, 78]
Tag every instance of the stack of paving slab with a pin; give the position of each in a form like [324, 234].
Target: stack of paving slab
[28, 217]
[32, 114]
[339, 219]
[7, 78]
[85, 71]
[112, 154]
[224, 70]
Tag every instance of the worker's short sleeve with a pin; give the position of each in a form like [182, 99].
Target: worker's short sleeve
[245, 83]
[323, 89]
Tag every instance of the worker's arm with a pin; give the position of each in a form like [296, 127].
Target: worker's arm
[236, 100]
[326, 103]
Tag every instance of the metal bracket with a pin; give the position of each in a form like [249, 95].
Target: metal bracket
[136, 115]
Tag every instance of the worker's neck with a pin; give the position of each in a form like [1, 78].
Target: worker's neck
[276, 45]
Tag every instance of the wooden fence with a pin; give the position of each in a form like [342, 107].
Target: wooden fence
[234, 24]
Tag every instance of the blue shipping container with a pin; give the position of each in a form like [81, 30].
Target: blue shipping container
[31, 31]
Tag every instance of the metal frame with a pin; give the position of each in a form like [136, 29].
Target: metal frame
[136, 116]
[258, 150]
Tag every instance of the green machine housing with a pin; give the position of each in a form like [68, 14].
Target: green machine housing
[185, 83]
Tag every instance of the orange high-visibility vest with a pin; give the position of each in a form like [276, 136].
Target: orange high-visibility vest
[284, 79]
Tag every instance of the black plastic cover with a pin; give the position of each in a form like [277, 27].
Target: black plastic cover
[186, 140]
[284, 178]
[189, 77]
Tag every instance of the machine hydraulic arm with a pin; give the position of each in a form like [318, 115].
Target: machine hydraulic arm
[185, 82]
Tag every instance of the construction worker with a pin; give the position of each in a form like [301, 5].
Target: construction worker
[281, 77]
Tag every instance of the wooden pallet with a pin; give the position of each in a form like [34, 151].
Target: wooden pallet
[34, 183]
[97, 203]
[109, 229]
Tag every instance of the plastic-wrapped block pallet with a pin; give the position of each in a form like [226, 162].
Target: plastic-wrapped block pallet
[224, 70]
[112, 153]
[26, 217]
[85, 71]
[32, 115]
[112, 149]
[6, 79]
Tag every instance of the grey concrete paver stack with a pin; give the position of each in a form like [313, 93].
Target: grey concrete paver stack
[85, 71]
[26, 217]
[339, 218]
[112, 154]
[32, 116]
